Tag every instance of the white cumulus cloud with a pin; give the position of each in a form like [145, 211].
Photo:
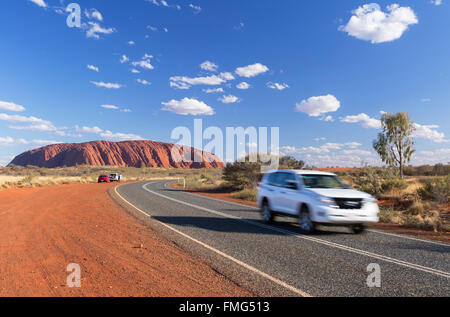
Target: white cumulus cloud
[370, 23]
[429, 132]
[197, 9]
[243, 85]
[110, 107]
[184, 82]
[93, 14]
[143, 82]
[84, 129]
[92, 67]
[316, 106]
[117, 137]
[95, 29]
[106, 85]
[40, 3]
[124, 59]
[365, 120]
[6, 141]
[188, 106]
[251, 70]
[277, 86]
[229, 99]
[209, 66]
[213, 90]
[144, 62]
[11, 106]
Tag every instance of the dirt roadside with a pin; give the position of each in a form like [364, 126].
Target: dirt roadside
[387, 227]
[45, 229]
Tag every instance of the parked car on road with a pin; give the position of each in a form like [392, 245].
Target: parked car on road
[103, 179]
[115, 177]
[315, 198]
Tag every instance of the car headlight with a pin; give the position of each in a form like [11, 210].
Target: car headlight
[327, 201]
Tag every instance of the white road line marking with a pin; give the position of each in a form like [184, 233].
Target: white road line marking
[245, 265]
[371, 230]
[317, 240]
[409, 238]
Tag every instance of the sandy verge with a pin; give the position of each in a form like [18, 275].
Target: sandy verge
[45, 229]
[388, 227]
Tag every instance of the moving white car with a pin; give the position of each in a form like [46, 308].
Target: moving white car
[315, 198]
[115, 177]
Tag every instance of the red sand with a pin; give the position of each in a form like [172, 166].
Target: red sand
[45, 229]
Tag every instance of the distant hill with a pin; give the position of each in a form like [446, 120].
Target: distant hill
[104, 153]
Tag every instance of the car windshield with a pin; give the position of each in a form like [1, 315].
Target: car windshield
[322, 181]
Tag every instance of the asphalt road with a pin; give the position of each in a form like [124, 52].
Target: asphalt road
[277, 260]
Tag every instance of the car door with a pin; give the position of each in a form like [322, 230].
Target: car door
[288, 197]
[273, 188]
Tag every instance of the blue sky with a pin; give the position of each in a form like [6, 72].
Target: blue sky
[320, 70]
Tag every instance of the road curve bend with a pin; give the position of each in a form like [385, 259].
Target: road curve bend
[277, 260]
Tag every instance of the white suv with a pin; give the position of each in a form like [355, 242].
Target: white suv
[315, 197]
[115, 177]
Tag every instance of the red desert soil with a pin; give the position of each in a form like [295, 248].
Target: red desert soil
[388, 227]
[45, 229]
[103, 153]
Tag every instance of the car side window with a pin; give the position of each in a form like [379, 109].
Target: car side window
[275, 179]
[288, 180]
[271, 179]
[280, 179]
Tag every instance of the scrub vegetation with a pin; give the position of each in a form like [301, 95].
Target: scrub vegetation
[419, 200]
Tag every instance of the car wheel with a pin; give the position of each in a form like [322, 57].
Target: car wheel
[305, 222]
[358, 229]
[266, 213]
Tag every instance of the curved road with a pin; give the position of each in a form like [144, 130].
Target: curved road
[277, 260]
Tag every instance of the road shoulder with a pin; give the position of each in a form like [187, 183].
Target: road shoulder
[45, 229]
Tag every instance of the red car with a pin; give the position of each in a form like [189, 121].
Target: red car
[103, 179]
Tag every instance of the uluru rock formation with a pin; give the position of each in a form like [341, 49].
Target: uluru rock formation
[104, 153]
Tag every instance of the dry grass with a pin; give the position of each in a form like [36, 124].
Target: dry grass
[205, 180]
[17, 176]
[415, 217]
[248, 194]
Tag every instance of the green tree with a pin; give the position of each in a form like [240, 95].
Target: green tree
[290, 162]
[395, 144]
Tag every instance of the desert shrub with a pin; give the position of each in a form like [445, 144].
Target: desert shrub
[427, 170]
[430, 220]
[441, 190]
[289, 162]
[416, 208]
[437, 190]
[240, 175]
[396, 184]
[27, 179]
[425, 191]
[389, 215]
[412, 221]
[433, 220]
[248, 194]
[368, 181]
